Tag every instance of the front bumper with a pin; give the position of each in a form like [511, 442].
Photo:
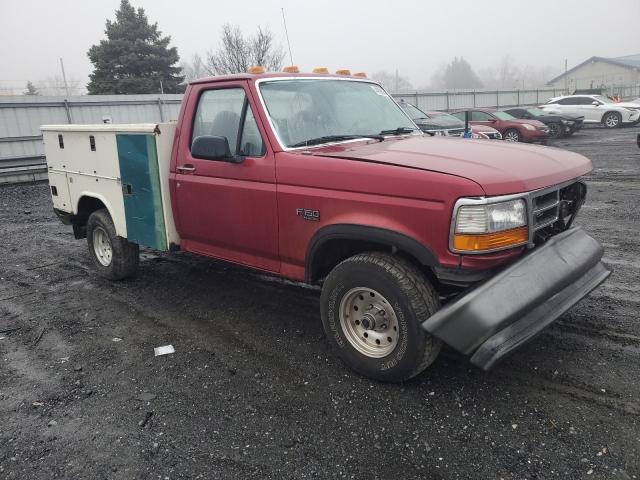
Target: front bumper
[512, 307]
[532, 136]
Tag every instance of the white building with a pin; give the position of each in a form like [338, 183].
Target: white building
[601, 72]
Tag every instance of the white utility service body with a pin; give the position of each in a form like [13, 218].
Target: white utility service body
[126, 167]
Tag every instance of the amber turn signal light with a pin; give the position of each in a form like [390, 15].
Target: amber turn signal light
[291, 69]
[320, 70]
[343, 72]
[491, 241]
[256, 69]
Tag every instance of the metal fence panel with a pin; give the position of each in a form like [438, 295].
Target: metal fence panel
[21, 149]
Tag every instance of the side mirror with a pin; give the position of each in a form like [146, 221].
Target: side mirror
[595, 103]
[208, 147]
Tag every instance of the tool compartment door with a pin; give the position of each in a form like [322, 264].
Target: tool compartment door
[60, 191]
[138, 159]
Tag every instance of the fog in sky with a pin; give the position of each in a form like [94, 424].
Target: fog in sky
[415, 37]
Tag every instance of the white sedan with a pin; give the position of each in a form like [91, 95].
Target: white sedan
[595, 109]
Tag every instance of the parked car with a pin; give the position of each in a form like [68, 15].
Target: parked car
[441, 123]
[559, 125]
[595, 109]
[512, 129]
[324, 179]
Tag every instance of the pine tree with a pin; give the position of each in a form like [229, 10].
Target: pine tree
[134, 58]
[31, 89]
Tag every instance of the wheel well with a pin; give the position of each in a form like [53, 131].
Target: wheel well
[341, 242]
[86, 206]
[611, 111]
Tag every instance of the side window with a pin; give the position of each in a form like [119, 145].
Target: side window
[459, 115]
[587, 100]
[569, 101]
[251, 143]
[480, 116]
[219, 114]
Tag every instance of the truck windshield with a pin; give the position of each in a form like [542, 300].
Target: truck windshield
[311, 110]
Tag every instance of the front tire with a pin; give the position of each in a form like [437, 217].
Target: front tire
[555, 130]
[512, 135]
[372, 307]
[114, 257]
[612, 120]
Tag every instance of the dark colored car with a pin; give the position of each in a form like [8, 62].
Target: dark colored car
[512, 129]
[559, 125]
[442, 123]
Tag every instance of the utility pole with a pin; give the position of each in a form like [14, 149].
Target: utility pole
[566, 89]
[64, 78]
[396, 90]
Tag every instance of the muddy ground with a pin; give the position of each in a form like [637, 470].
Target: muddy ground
[253, 392]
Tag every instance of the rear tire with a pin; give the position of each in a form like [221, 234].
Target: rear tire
[512, 135]
[612, 120]
[114, 257]
[372, 308]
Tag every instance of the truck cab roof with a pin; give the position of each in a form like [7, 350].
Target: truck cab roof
[257, 76]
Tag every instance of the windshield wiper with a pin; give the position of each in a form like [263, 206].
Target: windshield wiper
[398, 131]
[333, 138]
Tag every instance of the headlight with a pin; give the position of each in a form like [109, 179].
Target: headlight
[567, 122]
[489, 226]
[528, 127]
[439, 133]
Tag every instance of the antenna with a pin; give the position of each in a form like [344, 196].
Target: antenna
[284, 21]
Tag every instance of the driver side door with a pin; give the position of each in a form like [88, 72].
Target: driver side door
[227, 210]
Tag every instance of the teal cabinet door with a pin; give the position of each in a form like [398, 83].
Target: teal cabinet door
[141, 189]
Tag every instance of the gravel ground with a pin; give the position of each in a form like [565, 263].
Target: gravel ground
[253, 391]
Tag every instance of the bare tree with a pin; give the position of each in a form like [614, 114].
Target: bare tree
[193, 69]
[508, 75]
[237, 52]
[456, 75]
[393, 82]
[55, 86]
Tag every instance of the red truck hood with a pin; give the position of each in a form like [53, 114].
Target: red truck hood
[498, 167]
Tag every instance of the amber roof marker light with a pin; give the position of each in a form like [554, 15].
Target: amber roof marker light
[343, 71]
[291, 69]
[256, 70]
[320, 70]
[360, 74]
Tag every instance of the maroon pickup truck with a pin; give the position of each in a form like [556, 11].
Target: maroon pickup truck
[415, 240]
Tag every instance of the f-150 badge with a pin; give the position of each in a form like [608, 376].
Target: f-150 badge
[311, 215]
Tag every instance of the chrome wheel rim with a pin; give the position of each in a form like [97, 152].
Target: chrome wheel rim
[102, 246]
[369, 322]
[611, 120]
[511, 137]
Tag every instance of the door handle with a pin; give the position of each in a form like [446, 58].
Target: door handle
[186, 168]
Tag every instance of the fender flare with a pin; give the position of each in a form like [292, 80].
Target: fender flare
[384, 236]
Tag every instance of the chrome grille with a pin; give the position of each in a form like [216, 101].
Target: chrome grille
[545, 209]
[552, 210]
[455, 132]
